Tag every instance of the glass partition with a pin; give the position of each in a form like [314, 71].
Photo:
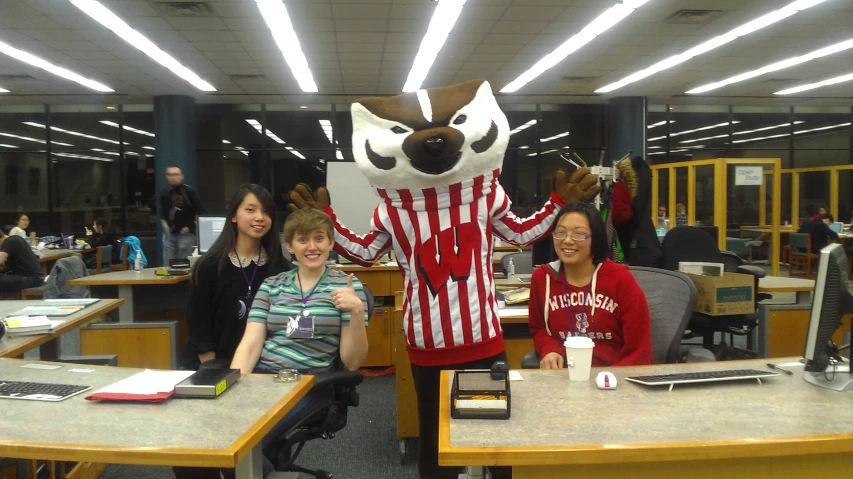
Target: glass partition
[814, 194]
[704, 195]
[680, 206]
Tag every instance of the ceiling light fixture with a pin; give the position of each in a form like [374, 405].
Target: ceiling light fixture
[558, 135]
[226, 142]
[660, 123]
[34, 140]
[278, 21]
[522, 127]
[703, 139]
[326, 125]
[128, 128]
[765, 128]
[257, 125]
[812, 86]
[657, 138]
[703, 128]
[745, 29]
[50, 67]
[601, 24]
[110, 107]
[148, 148]
[118, 26]
[69, 132]
[82, 157]
[798, 132]
[443, 18]
[7, 146]
[780, 65]
[3, 90]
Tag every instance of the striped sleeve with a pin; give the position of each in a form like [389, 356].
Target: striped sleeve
[360, 249]
[522, 231]
[261, 304]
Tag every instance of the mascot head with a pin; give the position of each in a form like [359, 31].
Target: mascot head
[429, 138]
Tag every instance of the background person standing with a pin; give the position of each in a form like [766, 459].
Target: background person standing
[179, 205]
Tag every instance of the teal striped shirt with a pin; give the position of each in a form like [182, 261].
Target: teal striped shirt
[278, 300]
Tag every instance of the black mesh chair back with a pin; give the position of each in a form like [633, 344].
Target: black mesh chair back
[689, 243]
[523, 262]
[671, 297]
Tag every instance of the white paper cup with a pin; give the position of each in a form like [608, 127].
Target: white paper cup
[501, 304]
[579, 357]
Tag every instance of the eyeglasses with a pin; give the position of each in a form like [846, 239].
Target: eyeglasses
[561, 235]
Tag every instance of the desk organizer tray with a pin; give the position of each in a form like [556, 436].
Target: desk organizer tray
[475, 395]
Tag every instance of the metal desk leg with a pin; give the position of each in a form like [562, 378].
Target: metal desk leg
[251, 466]
[125, 311]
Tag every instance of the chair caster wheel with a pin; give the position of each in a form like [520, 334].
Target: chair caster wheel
[323, 475]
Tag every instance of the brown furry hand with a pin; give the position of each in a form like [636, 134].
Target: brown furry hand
[582, 186]
[301, 198]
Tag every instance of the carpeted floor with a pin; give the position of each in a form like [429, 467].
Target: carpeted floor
[366, 449]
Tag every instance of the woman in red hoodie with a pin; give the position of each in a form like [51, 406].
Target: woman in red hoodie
[585, 294]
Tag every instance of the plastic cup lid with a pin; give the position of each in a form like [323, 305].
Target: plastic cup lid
[578, 342]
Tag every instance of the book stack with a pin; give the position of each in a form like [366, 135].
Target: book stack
[17, 326]
[515, 296]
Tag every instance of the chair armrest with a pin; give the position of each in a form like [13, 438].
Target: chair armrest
[530, 361]
[753, 270]
[338, 378]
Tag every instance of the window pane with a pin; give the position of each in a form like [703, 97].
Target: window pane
[704, 195]
[814, 193]
[141, 197]
[20, 158]
[822, 128]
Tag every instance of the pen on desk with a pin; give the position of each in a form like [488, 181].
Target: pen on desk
[778, 368]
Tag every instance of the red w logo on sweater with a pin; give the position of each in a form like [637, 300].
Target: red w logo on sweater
[448, 255]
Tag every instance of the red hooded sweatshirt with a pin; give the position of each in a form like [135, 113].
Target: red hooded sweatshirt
[612, 310]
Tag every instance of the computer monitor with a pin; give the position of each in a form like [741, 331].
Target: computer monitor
[542, 251]
[836, 227]
[207, 229]
[832, 300]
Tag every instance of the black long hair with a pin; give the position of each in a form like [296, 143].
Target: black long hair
[227, 240]
[596, 227]
[109, 228]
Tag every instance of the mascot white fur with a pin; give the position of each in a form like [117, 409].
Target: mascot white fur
[434, 157]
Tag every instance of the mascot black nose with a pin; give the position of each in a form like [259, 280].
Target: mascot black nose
[434, 145]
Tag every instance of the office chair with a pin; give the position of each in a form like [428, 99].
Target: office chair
[321, 423]
[671, 297]
[687, 243]
[122, 266]
[103, 260]
[523, 262]
[799, 253]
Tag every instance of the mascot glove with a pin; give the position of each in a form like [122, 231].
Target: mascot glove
[301, 198]
[582, 186]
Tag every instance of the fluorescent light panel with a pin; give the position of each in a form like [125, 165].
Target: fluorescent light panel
[326, 125]
[7, 146]
[716, 42]
[82, 157]
[50, 67]
[812, 86]
[443, 18]
[522, 127]
[3, 90]
[660, 123]
[278, 21]
[128, 128]
[780, 65]
[798, 132]
[709, 127]
[601, 24]
[118, 26]
[257, 125]
[34, 140]
[557, 136]
[75, 133]
[744, 132]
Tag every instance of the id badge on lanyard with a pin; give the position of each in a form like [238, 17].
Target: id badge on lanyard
[244, 304]
[300, 326]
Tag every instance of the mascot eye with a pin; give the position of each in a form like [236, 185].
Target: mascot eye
[460, 120]
[398, 130]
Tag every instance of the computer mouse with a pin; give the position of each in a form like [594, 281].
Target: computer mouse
[605, 380]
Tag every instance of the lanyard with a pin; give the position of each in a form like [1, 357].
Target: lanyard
[243, 270]
[310, 293]
[583, 303]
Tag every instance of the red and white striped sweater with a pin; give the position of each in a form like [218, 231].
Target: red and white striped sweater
[442, 239]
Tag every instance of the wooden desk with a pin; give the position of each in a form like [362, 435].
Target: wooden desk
[383, 281]
[11, 347]
[125, 281]
[785, 284]
[225, 432]
[785, 428]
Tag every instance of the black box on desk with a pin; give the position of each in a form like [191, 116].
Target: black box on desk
[475, 395]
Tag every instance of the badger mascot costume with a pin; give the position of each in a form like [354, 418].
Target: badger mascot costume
[434, 157]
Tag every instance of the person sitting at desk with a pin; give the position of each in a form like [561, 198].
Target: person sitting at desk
[224, 283]
[102, 234]
[22, 265]
[307, 318]
[821, 233]
[22, 222]
[585, 294]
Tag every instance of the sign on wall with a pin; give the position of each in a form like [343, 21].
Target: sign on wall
[748, 175]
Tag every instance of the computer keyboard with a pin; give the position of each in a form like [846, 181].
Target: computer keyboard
[702, 377]
[38, 391]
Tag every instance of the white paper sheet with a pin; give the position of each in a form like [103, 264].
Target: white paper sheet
[147, 382]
